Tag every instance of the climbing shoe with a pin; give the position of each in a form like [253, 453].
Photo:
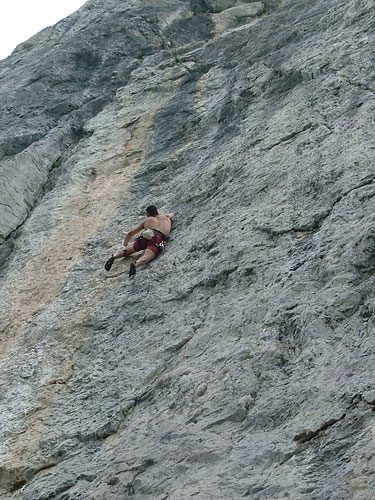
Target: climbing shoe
[132, 269]
[108, 264]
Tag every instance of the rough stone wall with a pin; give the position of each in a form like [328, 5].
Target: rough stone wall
[240, 363]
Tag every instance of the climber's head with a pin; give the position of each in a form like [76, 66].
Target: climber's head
[151, 211]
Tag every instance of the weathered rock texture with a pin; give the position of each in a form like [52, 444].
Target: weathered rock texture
[241, 362]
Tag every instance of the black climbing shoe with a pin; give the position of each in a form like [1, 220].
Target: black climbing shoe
[108, 264]
[132, 269]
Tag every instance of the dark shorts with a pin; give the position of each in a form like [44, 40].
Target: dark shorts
[156, 244]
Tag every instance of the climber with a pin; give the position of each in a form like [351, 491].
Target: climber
[154, 231]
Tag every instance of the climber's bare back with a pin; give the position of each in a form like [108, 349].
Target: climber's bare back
[160, 222]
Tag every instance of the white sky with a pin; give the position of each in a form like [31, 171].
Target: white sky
[21, 19]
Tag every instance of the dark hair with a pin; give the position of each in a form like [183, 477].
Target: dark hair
[152, 210]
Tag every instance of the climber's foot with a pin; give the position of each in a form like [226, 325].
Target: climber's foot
[132, 269]
[108, 264]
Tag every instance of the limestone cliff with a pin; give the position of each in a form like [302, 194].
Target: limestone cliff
[240, 363]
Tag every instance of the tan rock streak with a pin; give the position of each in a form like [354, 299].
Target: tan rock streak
[89, 203]
[88, 206]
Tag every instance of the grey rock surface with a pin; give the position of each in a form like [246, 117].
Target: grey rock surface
[240, 363]
[55, 82]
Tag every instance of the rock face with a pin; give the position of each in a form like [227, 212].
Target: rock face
[240, 363]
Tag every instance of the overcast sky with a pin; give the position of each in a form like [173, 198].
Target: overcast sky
[21, 19]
